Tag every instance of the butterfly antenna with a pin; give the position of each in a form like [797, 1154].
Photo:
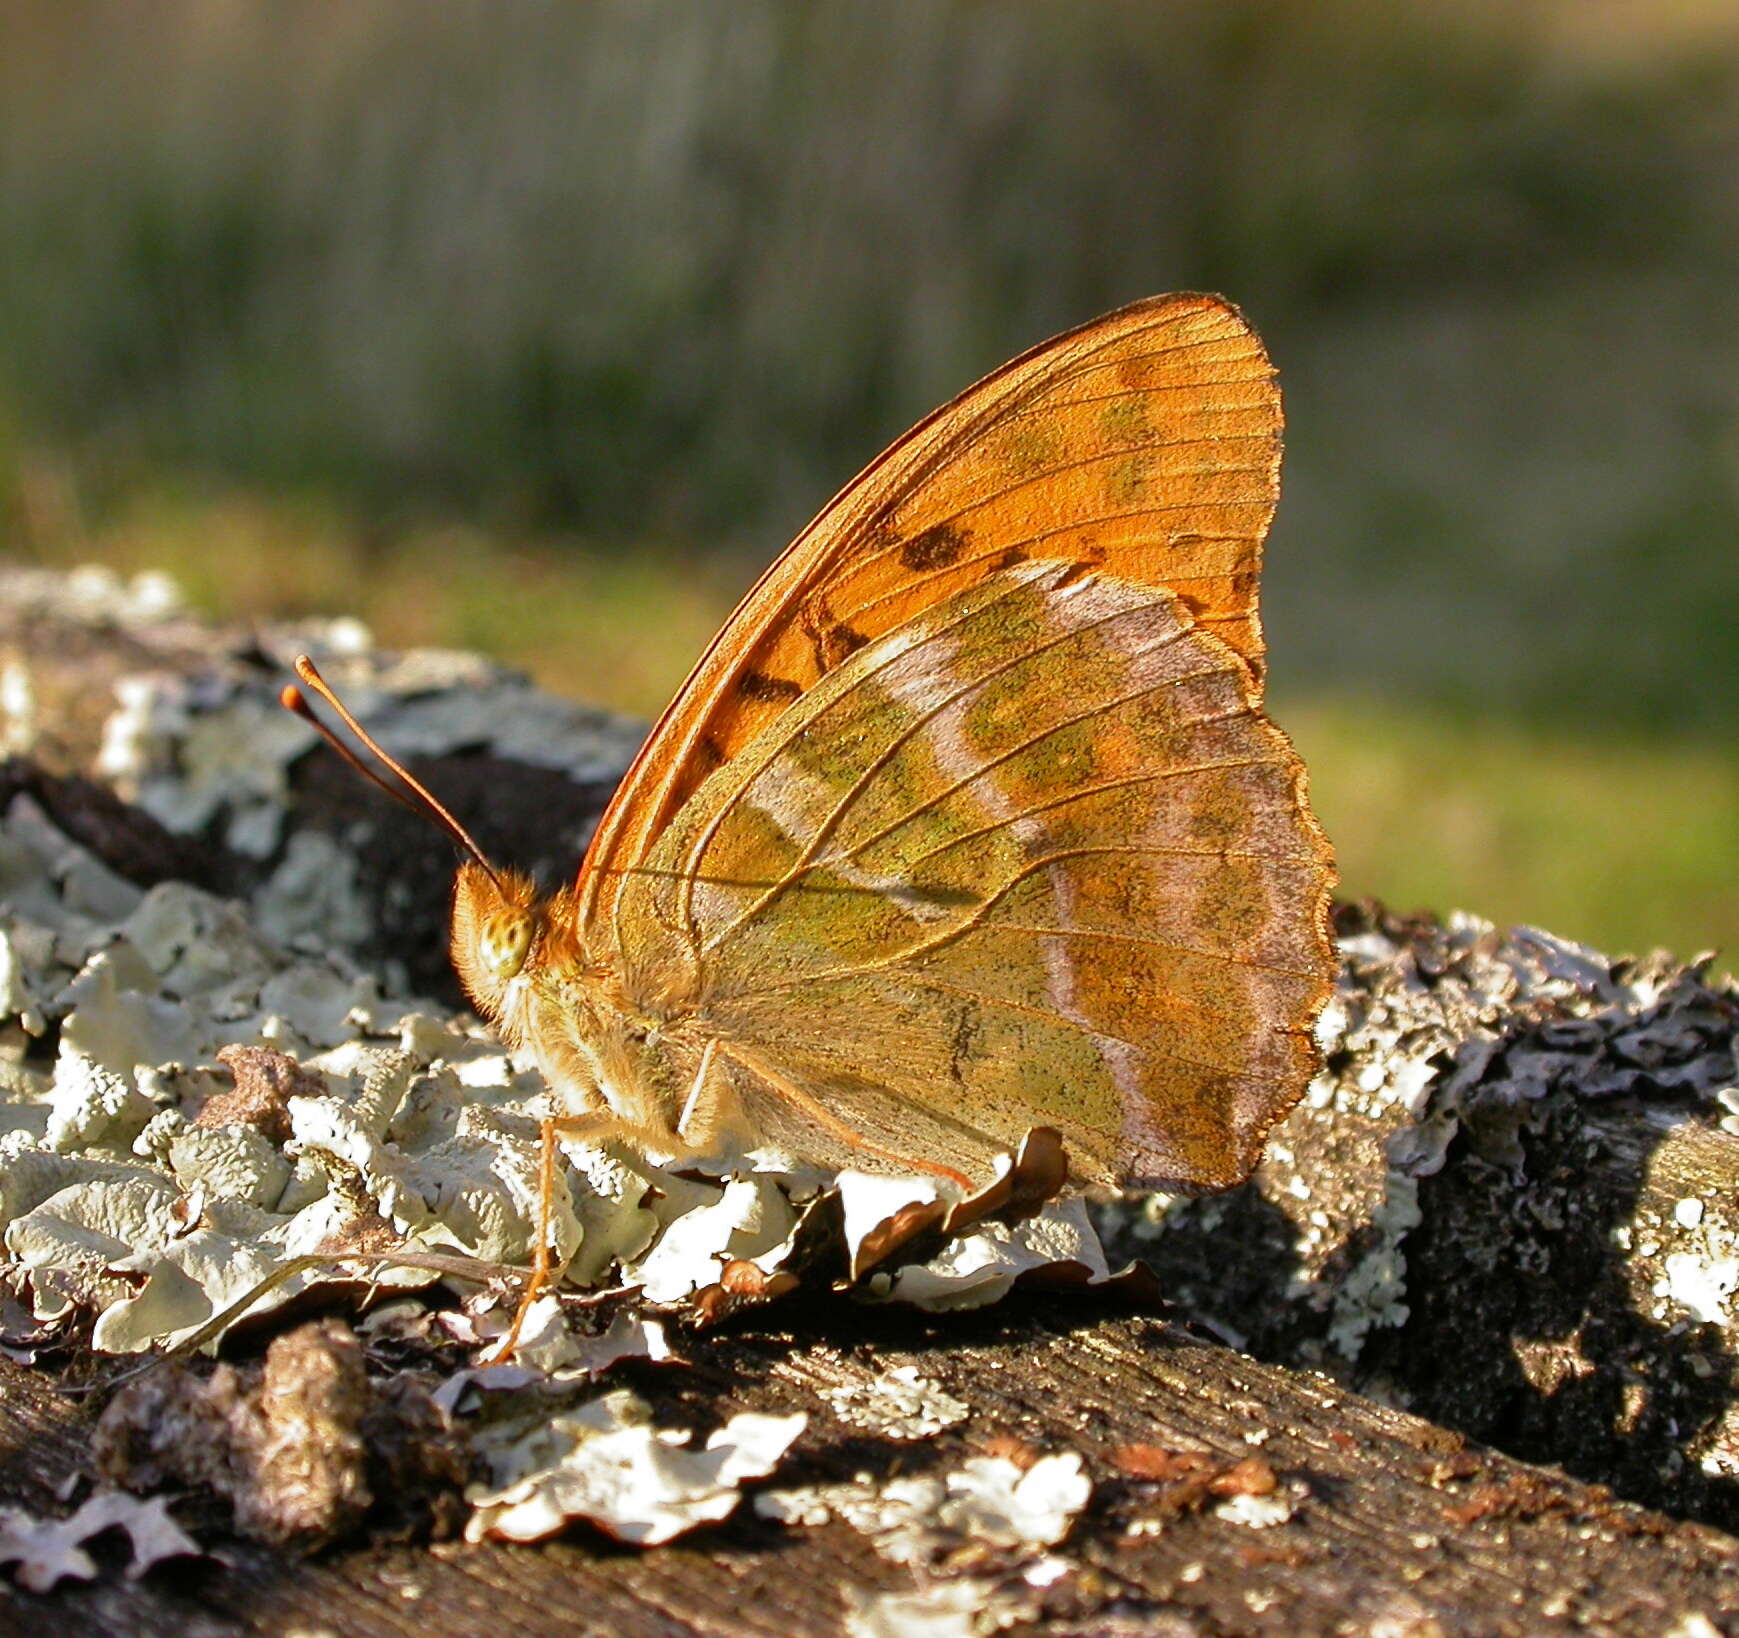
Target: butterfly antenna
[423, 802]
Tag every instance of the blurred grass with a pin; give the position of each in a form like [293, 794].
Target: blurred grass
[1624, 843]
[538, 330]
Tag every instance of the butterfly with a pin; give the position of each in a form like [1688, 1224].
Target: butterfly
[969, 820]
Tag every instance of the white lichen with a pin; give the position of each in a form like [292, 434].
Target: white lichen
[960, 1607]
[604, 1463]
[981, 1267]
[922, 1518]
[1700, 1285]
[44, 1552]
[897, 1404]
[1255, 1512]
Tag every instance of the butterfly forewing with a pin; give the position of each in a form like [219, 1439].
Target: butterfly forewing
[1035, 857]
[1145, 443]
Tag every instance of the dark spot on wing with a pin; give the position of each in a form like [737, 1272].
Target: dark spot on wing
[815, 619]
[963, 1042]
[709, 753]
[936, 548]
[838, 642]
[1071, 574]
[758, 685]
[1011, 557]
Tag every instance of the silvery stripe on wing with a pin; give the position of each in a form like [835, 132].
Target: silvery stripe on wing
[962, 762]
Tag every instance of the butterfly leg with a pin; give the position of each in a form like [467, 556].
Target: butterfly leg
[541, 1260]
[596, 1125]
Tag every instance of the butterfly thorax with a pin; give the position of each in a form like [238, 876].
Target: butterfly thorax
[632, 1059]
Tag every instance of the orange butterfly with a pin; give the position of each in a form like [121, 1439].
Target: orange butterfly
[970, 819]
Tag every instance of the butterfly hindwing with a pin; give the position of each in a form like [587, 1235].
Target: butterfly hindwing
[1033, 857]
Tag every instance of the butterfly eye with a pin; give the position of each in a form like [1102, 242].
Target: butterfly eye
[505, 944]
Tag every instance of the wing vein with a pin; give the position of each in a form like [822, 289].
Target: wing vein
[1039, 738]
[1091, 364]
[1022, 1009]
[971, 923]
[1148, 392]
[806, 858]
[1080, 793]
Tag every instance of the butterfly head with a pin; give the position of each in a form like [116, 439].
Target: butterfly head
[499, 926]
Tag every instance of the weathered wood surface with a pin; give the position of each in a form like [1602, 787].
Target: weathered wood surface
[1510, 1206]
[1398, 1527]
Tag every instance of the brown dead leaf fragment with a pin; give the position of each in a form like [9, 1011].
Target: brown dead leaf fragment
[1291, 1555]
[300, 1446]
[740, 1285]
[1465, 1464]
[1037, 1175]
[1156, 1463]
[1193, 1478]
[1250, 1477]
[909, 1230]
[1011, 1448]
[265, 1081]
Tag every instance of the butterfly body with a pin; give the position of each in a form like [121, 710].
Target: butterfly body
[619, 1063]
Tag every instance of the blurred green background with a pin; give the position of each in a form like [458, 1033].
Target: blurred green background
[539, 327]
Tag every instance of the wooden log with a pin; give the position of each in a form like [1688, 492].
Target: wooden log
[1392, 1524]
[1508, 1205]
